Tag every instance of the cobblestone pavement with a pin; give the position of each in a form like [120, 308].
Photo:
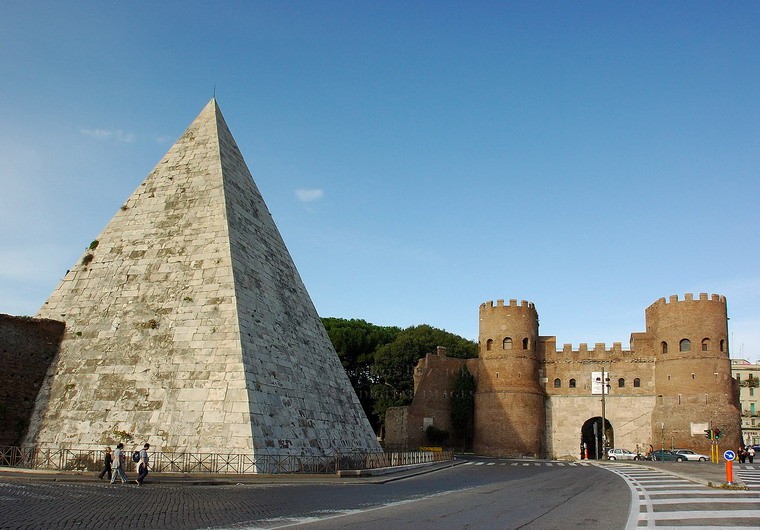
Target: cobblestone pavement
[72, 505]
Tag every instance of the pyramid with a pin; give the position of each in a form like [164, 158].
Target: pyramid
[188, 325]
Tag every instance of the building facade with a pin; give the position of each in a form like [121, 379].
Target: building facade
[535, 399]
[748, 377]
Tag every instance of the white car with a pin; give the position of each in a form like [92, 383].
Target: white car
[691, 455]
[622, 454]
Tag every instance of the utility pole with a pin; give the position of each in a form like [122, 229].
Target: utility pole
[605, 385]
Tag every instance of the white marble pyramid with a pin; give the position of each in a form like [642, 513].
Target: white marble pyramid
[188, 325]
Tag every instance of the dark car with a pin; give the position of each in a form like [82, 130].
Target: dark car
[665, 455]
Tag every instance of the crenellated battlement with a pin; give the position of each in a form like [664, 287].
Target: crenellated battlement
[689, 297]
[524, 304]
[599, 347]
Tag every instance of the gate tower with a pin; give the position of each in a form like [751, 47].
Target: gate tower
[509, 401]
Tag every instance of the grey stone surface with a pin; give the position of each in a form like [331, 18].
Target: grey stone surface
[188, 325]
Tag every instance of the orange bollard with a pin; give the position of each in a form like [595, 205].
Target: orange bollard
[729, 472]
[586, 453]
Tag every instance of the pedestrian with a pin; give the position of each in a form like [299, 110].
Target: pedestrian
[106, 465]
[742, 454]
[142, 471]
[118, 462]
[751, 453]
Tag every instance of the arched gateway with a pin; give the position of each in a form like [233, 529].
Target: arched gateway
[591, 436]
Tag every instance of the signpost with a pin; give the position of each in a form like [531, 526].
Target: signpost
[729, 456]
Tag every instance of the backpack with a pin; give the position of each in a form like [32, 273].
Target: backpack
[136, 456]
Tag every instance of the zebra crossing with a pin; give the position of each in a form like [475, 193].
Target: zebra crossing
[750, 475]
[525, 464]
[661, 500]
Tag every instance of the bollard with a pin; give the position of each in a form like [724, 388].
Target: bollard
[729, 472]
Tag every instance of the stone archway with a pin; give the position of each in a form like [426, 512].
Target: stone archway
[591, 435]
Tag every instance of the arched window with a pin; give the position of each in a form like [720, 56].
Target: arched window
[684, 345]
[722, 345]
[557, 383]
[636, 383]
[489, 344]
[572, 383]
[621, 383]
[663, 347]
[506, 344]
[705, 344]
[526, 344]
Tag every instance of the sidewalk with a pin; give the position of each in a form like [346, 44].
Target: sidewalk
[371, 476]
[706, 473]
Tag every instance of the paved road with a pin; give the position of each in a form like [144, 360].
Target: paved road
[667, 501]
[480, 494]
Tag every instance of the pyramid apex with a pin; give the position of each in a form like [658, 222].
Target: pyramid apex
[193, 303]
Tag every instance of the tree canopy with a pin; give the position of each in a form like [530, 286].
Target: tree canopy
[356, 342]
[380, 360]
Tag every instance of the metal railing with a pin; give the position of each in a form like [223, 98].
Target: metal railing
[29, 457]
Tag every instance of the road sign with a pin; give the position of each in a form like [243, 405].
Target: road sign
[729, 455]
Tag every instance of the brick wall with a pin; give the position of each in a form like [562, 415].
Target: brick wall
[27, 347]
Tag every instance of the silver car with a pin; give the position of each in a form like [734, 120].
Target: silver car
[622, 454]
[691, 455]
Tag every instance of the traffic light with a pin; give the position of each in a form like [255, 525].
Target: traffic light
[717, 433]
[708, 434]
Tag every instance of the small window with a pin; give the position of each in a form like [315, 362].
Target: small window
[526, 344]
[751, 391]
[664, 347]
[506, 344]
[722, 345]
[693, 376]
[489, 344]
[557, 383]
[636, 383]
[705, 344]
[621, 383]
[572, 383]
[684, 345]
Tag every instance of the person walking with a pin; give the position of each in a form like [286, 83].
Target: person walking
[742, 454]
[118, 463]
[106, 465]
[142, 471]
[751, 453]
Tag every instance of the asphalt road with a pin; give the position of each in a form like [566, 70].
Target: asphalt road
[479, 494]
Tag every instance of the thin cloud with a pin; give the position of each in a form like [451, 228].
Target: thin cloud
[312, 195]
[107, 134]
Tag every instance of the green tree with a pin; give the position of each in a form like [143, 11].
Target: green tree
[463, 407]
[356, 342]
[394, 364]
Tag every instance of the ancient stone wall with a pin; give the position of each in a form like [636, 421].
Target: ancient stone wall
[533, 398]
[509, 401]
[27, 347]
[693, 371]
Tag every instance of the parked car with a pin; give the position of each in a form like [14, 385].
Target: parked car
[622, 454]
[691, 455]
[665, 455]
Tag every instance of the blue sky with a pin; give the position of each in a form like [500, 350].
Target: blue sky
[419, 158]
